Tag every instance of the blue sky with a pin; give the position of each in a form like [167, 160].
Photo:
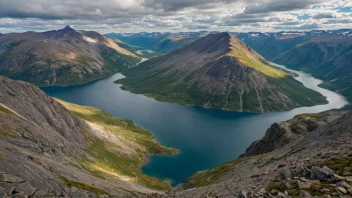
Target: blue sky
[174, 15]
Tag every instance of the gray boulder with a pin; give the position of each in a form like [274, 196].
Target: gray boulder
[324, 173]
[285, 174]
[243, 194]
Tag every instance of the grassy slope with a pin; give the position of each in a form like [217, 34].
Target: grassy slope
[108, 161]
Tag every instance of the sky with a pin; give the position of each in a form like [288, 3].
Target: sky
[107, 16]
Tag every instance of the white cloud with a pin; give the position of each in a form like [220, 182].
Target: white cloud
[174, 15]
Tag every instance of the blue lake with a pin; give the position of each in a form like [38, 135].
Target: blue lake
[205, 137]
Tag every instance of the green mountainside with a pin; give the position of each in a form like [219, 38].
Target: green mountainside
[219, 71]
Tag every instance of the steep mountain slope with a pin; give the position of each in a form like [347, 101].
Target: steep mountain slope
[61, 57]
[326, 54]
[159, 42]
[219, 71]
[328, 58]
[47, 150]
[271, 45]
[296, 169]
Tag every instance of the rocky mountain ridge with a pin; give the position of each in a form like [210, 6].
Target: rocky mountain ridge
[61, 57]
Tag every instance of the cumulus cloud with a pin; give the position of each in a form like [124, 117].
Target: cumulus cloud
[259, 6]
[174, 15]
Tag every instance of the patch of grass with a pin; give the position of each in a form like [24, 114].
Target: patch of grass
[339, 165]
[7, 133]
[276, 186]
[311, 116]
[121, 165]
[208, 177]
[315, 189]
[254, 62]
[84, 186]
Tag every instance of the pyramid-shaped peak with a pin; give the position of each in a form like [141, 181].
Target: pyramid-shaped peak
[68, 28]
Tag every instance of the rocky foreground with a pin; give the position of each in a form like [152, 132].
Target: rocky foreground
[311, 162]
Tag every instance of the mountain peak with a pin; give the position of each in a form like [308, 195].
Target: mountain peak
[68, 28]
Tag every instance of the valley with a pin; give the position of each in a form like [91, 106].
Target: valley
[202, 145]
[220, 84]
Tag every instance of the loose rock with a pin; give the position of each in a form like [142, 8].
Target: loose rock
[324, 173]
[341, 190]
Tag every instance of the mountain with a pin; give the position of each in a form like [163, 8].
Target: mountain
[326, 54]
[219, 71]
[328, 58]
[162, 43]
[317, 163]
[61, 57]
[51, 148]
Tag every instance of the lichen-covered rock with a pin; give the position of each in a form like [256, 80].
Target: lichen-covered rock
[323, 173]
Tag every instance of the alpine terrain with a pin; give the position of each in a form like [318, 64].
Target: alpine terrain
[62, 57]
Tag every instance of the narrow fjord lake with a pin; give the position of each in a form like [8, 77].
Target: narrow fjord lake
[205, 137]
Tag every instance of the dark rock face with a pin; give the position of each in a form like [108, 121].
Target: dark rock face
[280, 134]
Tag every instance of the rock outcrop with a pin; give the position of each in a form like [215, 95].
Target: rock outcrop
[280, 134]
[315, 164]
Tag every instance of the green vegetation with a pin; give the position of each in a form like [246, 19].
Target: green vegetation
[83, 186]
[314, 189]
[340, 165]
[7, 133]
[109, 159]
[161, 88]
[208, 177]
[251, 60]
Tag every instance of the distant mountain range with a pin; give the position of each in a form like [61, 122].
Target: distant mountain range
[326, 54]
[159, 42]
[219, 71]
[61, 57]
